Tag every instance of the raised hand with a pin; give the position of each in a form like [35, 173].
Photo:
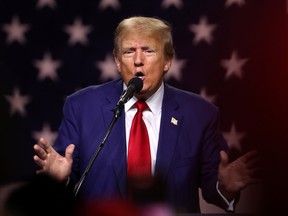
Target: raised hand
[238, 174]
[51, 162]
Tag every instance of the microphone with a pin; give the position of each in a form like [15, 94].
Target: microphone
[134, 86]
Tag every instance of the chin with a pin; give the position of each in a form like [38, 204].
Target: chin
[141, 95]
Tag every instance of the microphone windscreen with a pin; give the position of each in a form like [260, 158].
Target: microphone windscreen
[137, 82]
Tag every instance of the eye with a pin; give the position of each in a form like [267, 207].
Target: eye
[149, 52]
[128, 53]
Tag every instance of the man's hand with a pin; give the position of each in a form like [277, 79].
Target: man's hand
[238, 174]
[51, 162]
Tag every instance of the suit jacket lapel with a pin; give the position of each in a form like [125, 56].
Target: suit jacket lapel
[169, 129]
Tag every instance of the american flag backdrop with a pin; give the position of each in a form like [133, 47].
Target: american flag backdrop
[231, 52]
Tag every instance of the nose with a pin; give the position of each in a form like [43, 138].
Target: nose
[138, 60]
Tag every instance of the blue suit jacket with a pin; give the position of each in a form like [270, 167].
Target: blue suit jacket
[188, 149]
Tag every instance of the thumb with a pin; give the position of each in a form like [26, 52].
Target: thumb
[224, 158]
[69, 151]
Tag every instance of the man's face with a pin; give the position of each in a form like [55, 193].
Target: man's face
[142, 56]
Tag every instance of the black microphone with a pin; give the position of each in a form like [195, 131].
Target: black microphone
[134, 86]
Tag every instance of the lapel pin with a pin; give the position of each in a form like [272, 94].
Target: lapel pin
[174, 121]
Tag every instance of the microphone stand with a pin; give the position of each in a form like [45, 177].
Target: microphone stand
[117, 113]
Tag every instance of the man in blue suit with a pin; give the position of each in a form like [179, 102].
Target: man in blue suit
[187, 149]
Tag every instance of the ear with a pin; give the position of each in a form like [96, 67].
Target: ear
[167, 65]
[118, 64]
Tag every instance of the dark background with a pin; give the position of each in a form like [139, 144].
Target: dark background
[255, 103]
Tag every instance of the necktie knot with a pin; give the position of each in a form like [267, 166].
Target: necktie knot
[141, 106]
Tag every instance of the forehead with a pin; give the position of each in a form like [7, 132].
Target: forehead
[134, 38]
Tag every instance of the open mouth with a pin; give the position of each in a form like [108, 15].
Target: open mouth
[139, 74]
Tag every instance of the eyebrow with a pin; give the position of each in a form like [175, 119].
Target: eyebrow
[133, 48]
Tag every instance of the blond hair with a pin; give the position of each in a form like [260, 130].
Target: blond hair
[148, 26]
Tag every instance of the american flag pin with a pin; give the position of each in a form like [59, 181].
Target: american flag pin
[174, 121]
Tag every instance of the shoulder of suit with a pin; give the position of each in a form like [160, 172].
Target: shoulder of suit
[187, 97]
[101, 89]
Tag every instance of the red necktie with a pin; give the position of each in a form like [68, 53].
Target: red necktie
[139, 158]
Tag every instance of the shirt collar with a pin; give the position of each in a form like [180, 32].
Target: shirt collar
[154, 102]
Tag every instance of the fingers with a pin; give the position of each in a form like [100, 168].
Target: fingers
[43, 148]
[251, 163]
[40, 151]
[249, 155]
[256, 168]
[45, 145]
[254, 162]
[69, 151]
[249, 159]
[38, 161]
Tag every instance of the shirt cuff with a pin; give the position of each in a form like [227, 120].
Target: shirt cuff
[230, 204]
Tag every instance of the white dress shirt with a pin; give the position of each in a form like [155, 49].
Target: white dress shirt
[151, 117]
